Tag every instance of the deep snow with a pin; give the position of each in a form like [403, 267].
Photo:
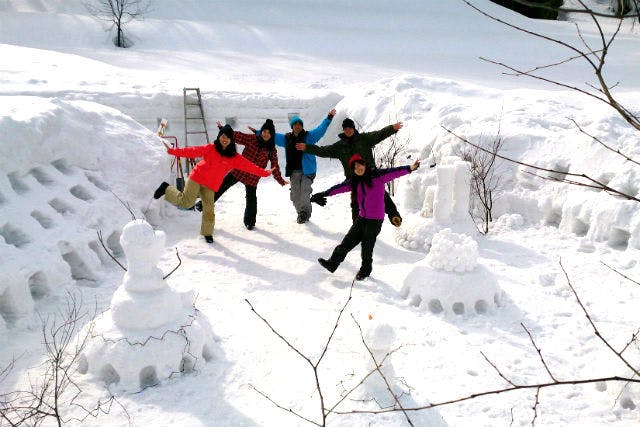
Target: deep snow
[77, 122]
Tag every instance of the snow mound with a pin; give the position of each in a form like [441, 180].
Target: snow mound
[57, 194]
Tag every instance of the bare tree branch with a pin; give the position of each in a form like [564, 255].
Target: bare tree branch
[595, 58]
[384, 378]
[100, 239]
[595, 328]
[608, 147]
[504, 377]
[544, 363]
[594, 182]
[617, 272]
[289, 410]
[496, 392]
[314, 366]
[175, 268]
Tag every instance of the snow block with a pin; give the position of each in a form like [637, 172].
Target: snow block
[447, 204]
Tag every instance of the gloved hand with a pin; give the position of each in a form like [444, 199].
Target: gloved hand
[319, 198]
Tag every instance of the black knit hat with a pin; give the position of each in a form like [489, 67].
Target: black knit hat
[348, 123]
[268, 125]
[226, 130]
[230, 149]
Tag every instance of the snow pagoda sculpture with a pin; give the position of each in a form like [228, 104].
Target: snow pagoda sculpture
[150, 331]
[449, 279]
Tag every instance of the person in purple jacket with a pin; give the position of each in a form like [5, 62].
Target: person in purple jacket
[368, 187]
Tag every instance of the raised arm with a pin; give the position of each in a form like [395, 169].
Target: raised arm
[314, 135]
[378, 136]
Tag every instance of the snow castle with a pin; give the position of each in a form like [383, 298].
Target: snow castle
[150, 331]
[449, 279]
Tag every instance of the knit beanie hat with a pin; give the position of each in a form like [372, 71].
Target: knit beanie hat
[229, 150]
[268, 125]
[348, 123]
[356, 158]
[294, 120]
[226, 130]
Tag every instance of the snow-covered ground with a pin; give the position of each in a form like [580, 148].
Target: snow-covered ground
[77, 128]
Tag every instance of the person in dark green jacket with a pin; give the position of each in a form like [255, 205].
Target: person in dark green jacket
[353, 142]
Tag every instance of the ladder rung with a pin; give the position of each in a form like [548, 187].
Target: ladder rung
[195, 132]
[194, 118]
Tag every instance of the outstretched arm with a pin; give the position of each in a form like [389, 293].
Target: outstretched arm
[277, 175]
[378, 136]
[390, 174]
[241, 163]
[332, 151]
[279, 139]
[321, 197]
[189, 152]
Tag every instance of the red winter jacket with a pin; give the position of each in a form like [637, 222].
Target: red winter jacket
[213, 167]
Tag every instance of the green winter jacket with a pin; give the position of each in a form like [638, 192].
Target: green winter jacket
[361, 143]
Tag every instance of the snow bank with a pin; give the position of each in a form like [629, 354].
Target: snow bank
[57, 191]
[534, 130]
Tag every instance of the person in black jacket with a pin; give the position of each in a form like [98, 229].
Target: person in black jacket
[353, 142]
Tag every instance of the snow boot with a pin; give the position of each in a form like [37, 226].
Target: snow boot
[361, 276]
[327, 264]
[160, 190]
[303, 217]
[208, 239]
[249, 226]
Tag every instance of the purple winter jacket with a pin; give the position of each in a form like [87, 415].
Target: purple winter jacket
[371, 199]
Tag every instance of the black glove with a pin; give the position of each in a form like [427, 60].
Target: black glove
[319, 198]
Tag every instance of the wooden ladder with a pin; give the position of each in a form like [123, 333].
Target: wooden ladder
[195, 126]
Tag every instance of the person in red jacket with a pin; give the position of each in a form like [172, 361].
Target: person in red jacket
[204, 180]
[259, 148]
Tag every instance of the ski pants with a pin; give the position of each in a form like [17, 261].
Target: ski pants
[389, 207]
[186, 199]
[251, 205]
[363, 231]
[301, 191]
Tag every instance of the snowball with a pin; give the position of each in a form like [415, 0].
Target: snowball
[453, 252]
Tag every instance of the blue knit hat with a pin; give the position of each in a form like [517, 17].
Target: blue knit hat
[294, 120]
